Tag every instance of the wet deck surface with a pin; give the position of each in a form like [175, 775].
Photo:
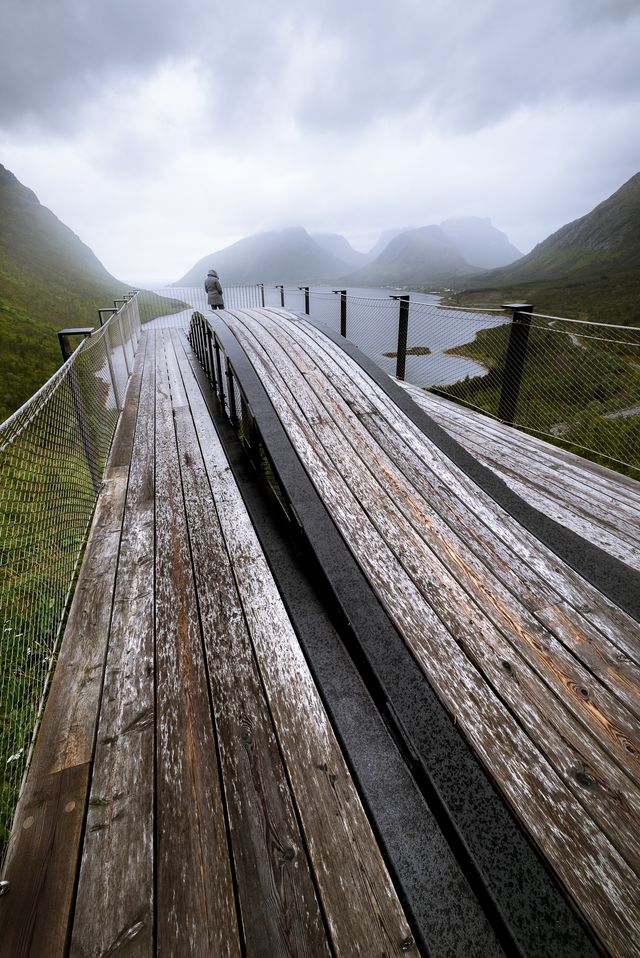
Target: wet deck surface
[540, 670]
[188, 795]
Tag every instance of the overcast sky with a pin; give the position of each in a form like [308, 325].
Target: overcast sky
[160, 132]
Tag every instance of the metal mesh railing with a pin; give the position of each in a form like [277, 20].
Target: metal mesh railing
[172, 307]
[579, 385]
[53, 452]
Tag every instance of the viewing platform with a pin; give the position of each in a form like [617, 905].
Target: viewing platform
[346, 672]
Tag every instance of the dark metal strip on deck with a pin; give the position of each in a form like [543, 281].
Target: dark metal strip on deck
[495, 854]
[616, 580]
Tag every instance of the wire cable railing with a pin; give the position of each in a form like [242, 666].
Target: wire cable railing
[53, 453]
[573, 382]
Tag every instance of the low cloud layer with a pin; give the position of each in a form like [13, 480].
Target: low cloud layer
[162, 131]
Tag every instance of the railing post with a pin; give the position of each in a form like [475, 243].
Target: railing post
[403, 329]
[110, 309]
[343, 311]
[514, 360]
[116, 391]
[261, 288]
[212, 371]
[220, 386]
[231, 396]
[281, 288]
[87, 441]
[305, 290]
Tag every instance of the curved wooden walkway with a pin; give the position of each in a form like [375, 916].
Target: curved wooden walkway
[598, 504]
[188, 794]
[539, 670]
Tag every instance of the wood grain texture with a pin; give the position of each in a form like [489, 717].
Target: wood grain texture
[362, 911]
[364, 444]
[114, 905]
[614, 625]
[589, 865]
[280, 914]
[195, 912]
[35, 915]
[484, 618]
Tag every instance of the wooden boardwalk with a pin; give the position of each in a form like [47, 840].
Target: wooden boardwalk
[598, 504]
[540, 671]
[187, 794]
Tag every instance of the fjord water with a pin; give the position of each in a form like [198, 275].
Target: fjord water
[372, 324]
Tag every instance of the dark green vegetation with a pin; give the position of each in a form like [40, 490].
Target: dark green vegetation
[570, 385]
[589, 269]
[412, 351]
[49, 279]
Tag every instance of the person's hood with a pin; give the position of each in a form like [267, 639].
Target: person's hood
[212, 272]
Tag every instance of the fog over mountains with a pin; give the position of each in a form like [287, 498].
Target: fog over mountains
[429, 254]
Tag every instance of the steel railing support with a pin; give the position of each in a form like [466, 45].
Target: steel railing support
[343, 311]
[403, 330]
[305, 290]
[514, 361]
[76, 396]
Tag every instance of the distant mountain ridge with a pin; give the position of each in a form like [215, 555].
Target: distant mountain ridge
[423, 255]
[278, 256]
[400, 257]
[49, 279]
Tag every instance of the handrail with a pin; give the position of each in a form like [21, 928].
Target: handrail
[53, 453]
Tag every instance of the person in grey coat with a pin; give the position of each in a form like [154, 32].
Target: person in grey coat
[214, 290]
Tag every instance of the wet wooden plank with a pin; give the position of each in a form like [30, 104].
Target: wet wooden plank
[362, 910]
[566, 468]
[485, 619]
[280, 913]
[35, 915]
[588, 864]
[603, 514]
[114, 905]
[195, 902]
[617, 627]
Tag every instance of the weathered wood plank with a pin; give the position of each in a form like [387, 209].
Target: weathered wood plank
[602, 514]
[379, 452]
[280, 914]
[588, 864]
[35, 915]
[114, 904]
[195, 902]
[566, 467]
[612, 622]
[360, 904]
[484, 615]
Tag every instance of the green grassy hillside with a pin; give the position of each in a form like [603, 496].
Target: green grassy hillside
[48, 279]
[588, 269]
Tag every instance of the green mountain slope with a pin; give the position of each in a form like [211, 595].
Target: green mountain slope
[49, 279]
[279, 256]
[588, 269]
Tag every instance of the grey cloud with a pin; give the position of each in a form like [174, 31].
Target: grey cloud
[461, 68]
